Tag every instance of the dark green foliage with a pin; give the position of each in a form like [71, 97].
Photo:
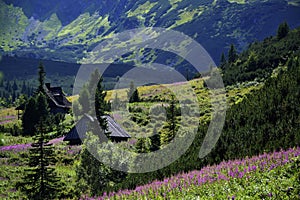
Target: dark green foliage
[116, 102]
[264, 121]
[40, 180]
[232, 54]
[10, 91]
[155, 141]
[223, 61]
[92, 176]
[138, 115]
[43, 110]
[30, 117]
[84, 100]
[100, 104]
[171, 120]
[41, 79]
[92, 98]
[95, 176]
[133, 94]
[143, 145]
[283, 30]
[261, 58]
[35, 109]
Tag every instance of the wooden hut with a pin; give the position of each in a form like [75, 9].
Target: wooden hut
[58, 103]
[78, 132]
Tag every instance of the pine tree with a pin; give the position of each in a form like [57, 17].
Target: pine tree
[84, 100]
[283, 30]
[41, 79]
[116, 103]
[133, 94]
[24, 89]
[232, 54]
[172, 117]
[29, 117]
[40, 180]
[36, 108]
[143, 145]
[223, 61]
[93, 82]
[100, 105]
[167, 136]
[155, 140]
[15, 86]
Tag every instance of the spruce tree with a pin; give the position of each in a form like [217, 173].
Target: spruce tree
[283, 30]
[116, 103]
[24, 88]
[100, 105]
[167, 136]
[35, 109]
[15, 86]
[93, 82]
[143, 145]
[133, 94]
[40, 180]
[172, 117]
[41, 78]
[232, 54]
[84, 100]
[223, 61]
[30, 117]
[155, 140]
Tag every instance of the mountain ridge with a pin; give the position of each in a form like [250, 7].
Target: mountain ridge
[68, 30]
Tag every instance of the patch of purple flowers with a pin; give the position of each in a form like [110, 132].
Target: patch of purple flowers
[224, 171]
[21, 147]
[15, 147]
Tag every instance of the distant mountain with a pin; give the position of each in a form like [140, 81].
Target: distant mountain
[66, 30]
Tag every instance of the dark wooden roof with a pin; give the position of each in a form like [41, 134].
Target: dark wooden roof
[81, 127]
[56, 96]
[114, 128]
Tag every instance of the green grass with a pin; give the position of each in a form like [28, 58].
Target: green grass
[142, 9]
[139, 120]
[9, 175]
[188, 15]
[52, 26]
[237, 1]
[10, 140]
[12, 27]
[294, 2]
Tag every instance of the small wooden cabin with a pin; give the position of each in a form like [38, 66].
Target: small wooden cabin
[58, 103]
[78, 132]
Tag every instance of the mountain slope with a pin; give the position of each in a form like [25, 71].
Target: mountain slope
[66, 30]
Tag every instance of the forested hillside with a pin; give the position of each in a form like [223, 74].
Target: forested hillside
[261, 58]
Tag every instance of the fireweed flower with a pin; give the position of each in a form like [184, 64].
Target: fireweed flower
[235, 169]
